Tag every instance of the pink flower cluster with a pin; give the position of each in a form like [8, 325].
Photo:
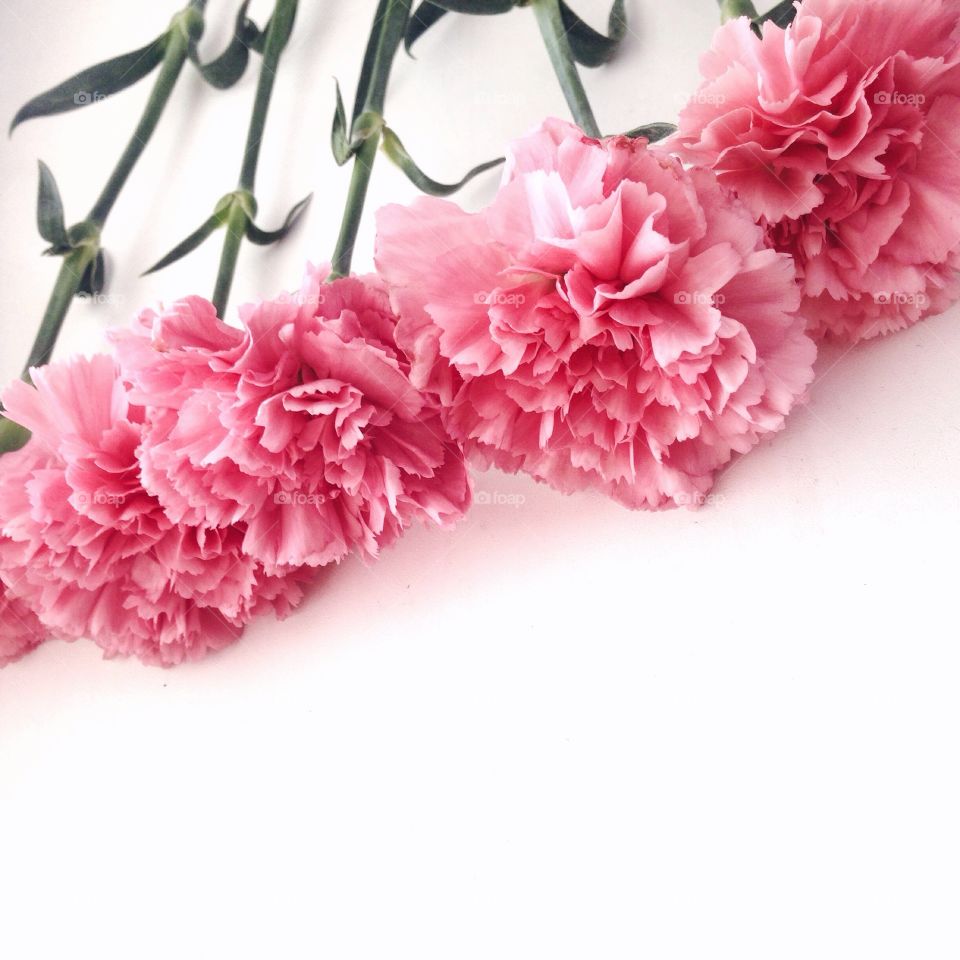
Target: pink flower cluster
[166, 499]
[612, 320]
[609, 321]
[841, 134]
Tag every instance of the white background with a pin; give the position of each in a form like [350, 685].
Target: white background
[563, 730]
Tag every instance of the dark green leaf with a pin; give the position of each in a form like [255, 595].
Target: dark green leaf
[421, 20]
[50, 209]
[93, 84]
[782, 15]
[264, 237]
[93, 277]
[396, 151]
[653, 131]
[590, 47]
[12, 436]
[483, 7]
[338, 134]
[228, 68]
[192, 242]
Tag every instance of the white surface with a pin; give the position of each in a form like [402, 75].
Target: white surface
[562, 731]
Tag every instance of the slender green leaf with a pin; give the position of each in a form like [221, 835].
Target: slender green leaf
[782, 14]
[264, 237]
[652, 131]
[396, 151]
[338, 133]
[93, 84]
[590, 47]
[228, 68]
[50, 210]
[191, 243]
[421, 20]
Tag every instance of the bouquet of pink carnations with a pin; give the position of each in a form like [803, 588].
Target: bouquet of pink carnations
[630, 313]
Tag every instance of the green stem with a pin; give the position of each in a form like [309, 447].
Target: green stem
[74, 263]
[278, 33]
[64, 290]
[386, 36]
[564, 66]
[353, 209]
[175, 55]
[281, 23]
[731, 9]
[235, 228]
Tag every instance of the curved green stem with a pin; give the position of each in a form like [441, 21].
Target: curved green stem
[278, 33]
[386, 36]
[564, 66]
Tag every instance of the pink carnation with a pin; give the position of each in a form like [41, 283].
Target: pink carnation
[93, 553]
[20, 630]
[304, 425]
[841, 133]
[608, 321]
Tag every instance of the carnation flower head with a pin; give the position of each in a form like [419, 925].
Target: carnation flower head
[303, 425]
[609, 321]
[92, 553]
[841, 133]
